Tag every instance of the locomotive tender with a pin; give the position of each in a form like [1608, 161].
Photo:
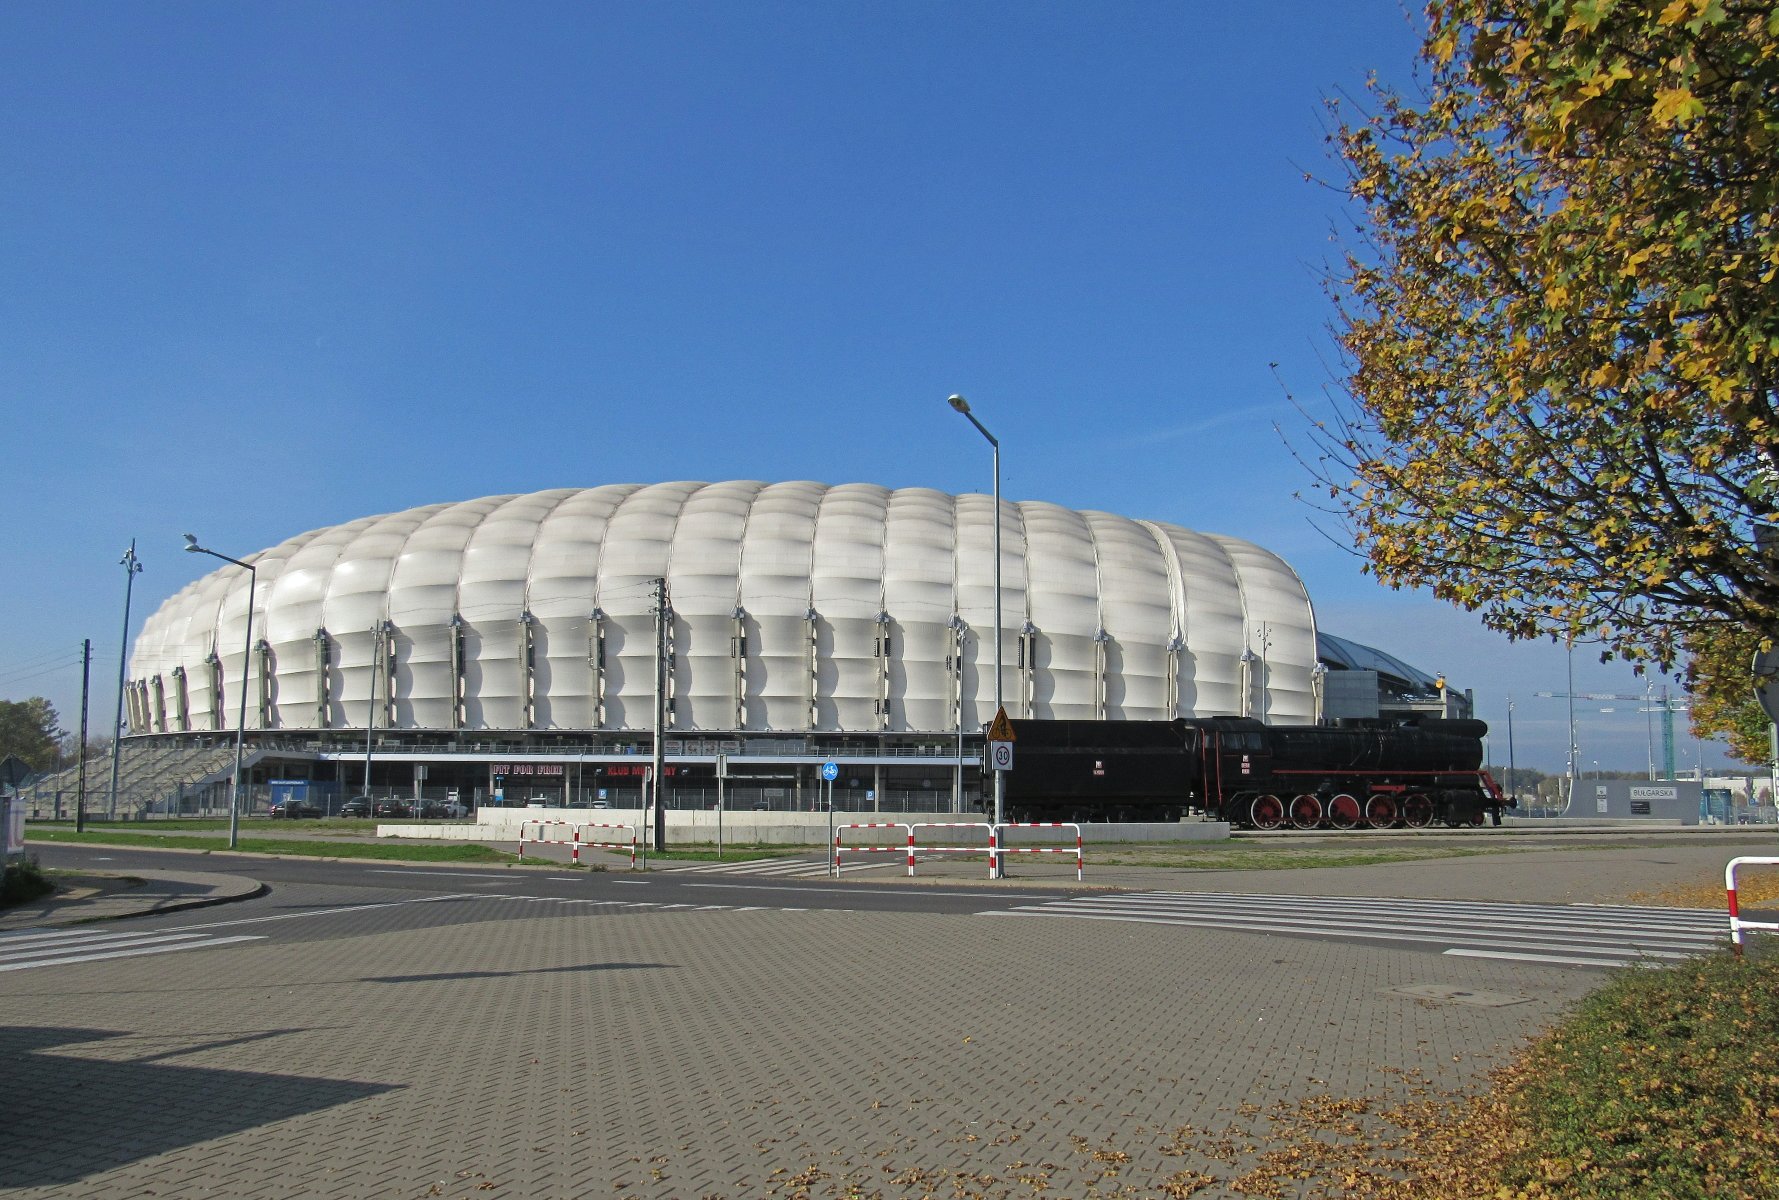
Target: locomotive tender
[1358, 773]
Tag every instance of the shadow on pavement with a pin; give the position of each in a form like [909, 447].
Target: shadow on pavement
[507, 974]
[68, 1118]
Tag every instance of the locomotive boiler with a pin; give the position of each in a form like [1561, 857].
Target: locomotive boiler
[1358, 773]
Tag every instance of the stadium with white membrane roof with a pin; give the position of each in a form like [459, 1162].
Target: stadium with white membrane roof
[507, 648]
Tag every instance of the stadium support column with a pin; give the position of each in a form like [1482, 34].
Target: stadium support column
[660, 774]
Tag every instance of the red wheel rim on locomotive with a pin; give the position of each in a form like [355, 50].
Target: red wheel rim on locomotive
[1380, 811]
[1266, 812]
[1343, 812]
[1306, 811]
[1417, 811]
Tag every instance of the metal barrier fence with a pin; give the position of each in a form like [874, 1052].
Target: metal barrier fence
[610, 845]
[1737, 921]
[906, 847]
[574, 840]
[997, 865]
[984, 849]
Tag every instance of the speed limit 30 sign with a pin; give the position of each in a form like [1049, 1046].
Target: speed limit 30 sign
[1000, 755]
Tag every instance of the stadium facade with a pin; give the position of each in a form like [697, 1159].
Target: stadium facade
[793, 623]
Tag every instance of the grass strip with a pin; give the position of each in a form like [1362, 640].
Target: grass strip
[290, 847]
[324, 827]
[1663, 1085]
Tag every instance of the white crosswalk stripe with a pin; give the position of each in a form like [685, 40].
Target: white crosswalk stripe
[1565, 934]
[27, 948]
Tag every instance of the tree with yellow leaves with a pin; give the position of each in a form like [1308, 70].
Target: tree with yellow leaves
[1561, 321]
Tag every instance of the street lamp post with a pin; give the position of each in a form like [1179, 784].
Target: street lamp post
[963, 406]
[192, 547]
[1513, 776]
[132, 568]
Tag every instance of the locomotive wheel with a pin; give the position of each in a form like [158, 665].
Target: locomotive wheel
[1417, 811]
[1380, 811]
[1306, 811]
[1266, 812]
[1343, 811]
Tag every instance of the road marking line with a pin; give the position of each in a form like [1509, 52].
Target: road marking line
[1328, 923]
[140, 950]
[110, 944]
[1543, 958]
[411, 874]
[854, 891]
[91, 935]
[1506, 914]
[343, 908]
[1338, 933]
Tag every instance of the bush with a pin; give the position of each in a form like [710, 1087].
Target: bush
[22, 882]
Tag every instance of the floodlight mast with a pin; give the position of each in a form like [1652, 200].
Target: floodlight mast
[132, 568]
[963, 406]
[192, 547]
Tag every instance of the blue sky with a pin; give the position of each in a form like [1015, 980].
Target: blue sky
[269, 267]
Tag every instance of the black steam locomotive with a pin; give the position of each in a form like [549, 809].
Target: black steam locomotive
[1351, 775]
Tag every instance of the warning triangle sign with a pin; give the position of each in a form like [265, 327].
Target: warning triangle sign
[1000, 729]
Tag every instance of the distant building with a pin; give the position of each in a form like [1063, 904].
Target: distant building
[1363, 681]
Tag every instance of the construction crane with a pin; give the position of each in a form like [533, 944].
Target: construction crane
[1652, 704]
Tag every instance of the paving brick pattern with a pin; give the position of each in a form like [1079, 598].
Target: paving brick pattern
[496, 1047]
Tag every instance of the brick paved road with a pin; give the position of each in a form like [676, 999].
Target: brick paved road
[496, 1045]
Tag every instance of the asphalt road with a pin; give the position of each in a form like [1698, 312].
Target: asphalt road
[375, 1030]
[691, 885]
[346, 898]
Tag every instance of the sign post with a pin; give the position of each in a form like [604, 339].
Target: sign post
[831, 772]
[1000, 759]
[722, 774]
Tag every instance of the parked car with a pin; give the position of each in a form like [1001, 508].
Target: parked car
[392, 808]
[292, 810]
[356, 808]
[441, 809]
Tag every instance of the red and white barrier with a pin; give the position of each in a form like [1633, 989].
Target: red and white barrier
[977, 849]
[574, 840]
[569, 827]
[997, 855]
[619, 846]
[905, 847]
[1737, 922]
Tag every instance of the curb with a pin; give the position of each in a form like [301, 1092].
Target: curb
[259, 889]
[53, 911]
[256, 854]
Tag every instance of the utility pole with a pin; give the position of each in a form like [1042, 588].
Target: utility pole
[132, 568]
[86, 667]
[662, 617]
